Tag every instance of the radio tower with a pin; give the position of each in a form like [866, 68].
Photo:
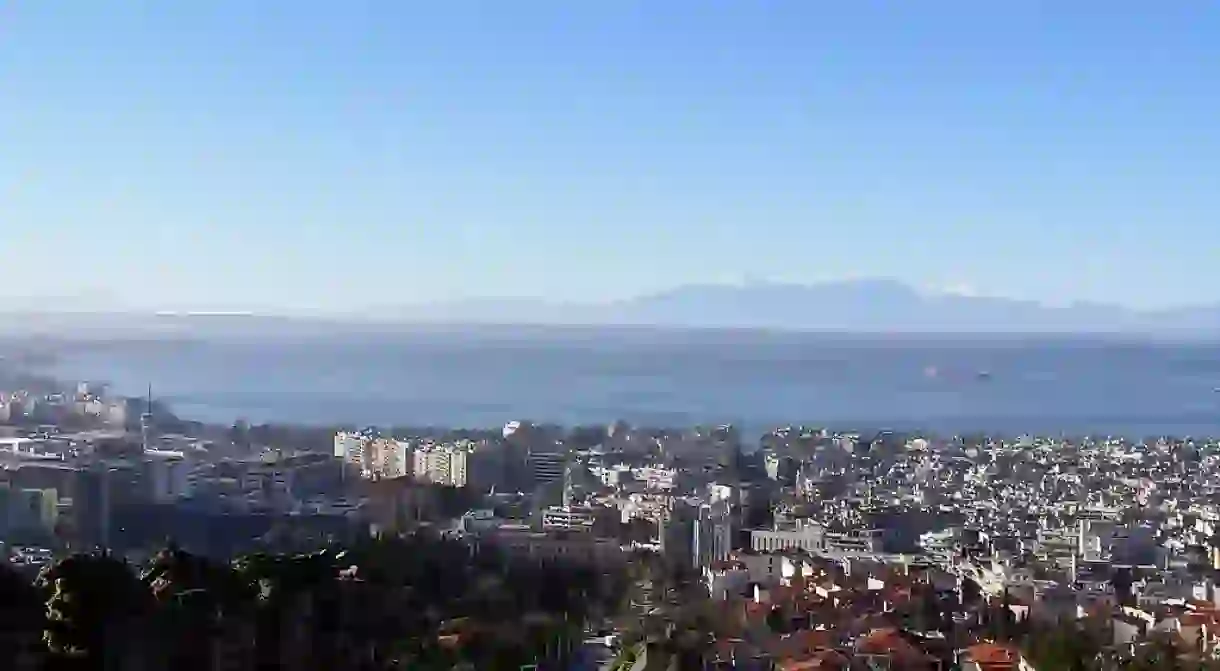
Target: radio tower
[146, 422]
[569, 493]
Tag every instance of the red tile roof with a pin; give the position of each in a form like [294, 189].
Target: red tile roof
[994, 656]
[887, 641]
[824, 660]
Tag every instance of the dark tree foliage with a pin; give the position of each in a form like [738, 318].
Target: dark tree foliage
[407, 603]
[199, 602]
[21, 620]
[95, 609]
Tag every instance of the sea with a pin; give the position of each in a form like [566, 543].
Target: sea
[936, 384]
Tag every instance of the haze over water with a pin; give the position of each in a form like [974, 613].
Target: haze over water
[942, 385]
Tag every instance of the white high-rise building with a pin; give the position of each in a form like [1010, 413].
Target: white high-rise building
[388, 458]
[351, 447]
[441, 465]
[460, 465]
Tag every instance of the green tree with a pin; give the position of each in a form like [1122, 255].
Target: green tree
[401, 603]
[1159, 653]
[1065, 646]
[204, 610]
[95, 612]
[293, 591]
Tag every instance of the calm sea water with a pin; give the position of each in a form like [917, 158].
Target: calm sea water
[940, 385]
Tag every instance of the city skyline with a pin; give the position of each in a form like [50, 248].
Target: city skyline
[287, 156]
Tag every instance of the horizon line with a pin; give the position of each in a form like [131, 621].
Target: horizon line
[28, 304]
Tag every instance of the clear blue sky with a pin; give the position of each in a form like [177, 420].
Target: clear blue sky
[235, 153]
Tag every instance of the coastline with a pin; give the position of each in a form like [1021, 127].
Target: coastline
[441, 385]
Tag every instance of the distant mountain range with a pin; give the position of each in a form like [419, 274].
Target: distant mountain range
[853, 306]
[862, 306]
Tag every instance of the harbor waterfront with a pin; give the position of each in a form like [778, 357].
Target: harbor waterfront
[1041, 385]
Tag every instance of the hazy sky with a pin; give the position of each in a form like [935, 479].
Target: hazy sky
[248, 153]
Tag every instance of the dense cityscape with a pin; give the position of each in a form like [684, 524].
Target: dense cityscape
[803, 549]
[609, 336]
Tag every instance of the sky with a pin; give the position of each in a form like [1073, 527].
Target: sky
[300, 154]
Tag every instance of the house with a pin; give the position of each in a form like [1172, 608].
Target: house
[894, 649]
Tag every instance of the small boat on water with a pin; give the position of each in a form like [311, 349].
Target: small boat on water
[932, 372]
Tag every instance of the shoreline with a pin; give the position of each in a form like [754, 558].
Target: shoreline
[52, 369]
